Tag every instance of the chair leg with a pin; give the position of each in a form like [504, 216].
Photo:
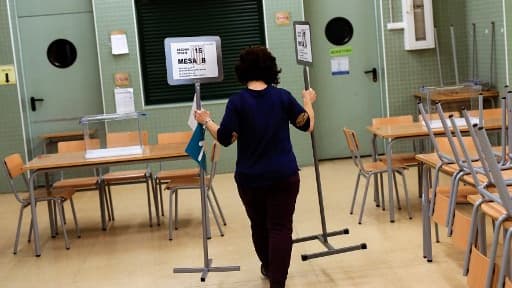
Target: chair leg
[73, 210]
[29, 238]
[171, 226]
[355, 193]
[364, 199]
[61, 215]
[107, 205]
[175, 209]
[494, 248]
[111, 203]
[218, 206]
[434, 188]
[383, 199]
[215, 217]
[436, 229]
[399, 206]
[453, 201]
[150, 211]
[156, 200]
[159, 184]
[16, 241]
[473, 230]
[506, 259]
[406, 192]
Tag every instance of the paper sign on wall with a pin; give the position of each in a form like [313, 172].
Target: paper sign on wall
[340, 65]
[119, 43]
[124, 100]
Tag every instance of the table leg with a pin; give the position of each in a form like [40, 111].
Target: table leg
[376, 179]
[391, 208]
[425, 210]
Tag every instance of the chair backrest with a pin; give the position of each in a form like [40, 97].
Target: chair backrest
[13, 165]
[353, 147]
[377, 122]
[423, 117]
[129, 138]
[495, 171]
[77, 145]
[174, 137]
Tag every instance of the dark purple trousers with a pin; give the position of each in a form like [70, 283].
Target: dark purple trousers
[270, 210]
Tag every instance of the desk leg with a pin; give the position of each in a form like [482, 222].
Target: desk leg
[389, 142]
[376, 177]
[425, 212]
[33, 210]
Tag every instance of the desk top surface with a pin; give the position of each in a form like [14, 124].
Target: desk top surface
[417, 129]
[75, 159]
[455, 96]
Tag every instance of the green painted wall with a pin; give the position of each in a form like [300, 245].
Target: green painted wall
[508, 15]
[10, 114]
[407, 71]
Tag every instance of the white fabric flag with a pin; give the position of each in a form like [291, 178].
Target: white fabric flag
[192, 123]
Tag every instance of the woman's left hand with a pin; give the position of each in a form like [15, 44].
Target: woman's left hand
[202, 116]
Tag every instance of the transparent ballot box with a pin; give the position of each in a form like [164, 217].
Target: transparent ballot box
[452, 99]
[130, 139]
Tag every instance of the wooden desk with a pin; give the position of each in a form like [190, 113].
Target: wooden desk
[49, 162]
[456, 96]
[393, 132]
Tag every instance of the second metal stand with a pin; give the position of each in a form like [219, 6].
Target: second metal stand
[323, 237]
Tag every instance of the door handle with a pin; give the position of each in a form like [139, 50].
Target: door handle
[374, 73]
[33, 101]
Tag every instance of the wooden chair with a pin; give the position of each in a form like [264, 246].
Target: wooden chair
[406, 159]
[369, 169]
[128, 177]
[13, 165]
[82, 183]
[164, 176]
[192, 181]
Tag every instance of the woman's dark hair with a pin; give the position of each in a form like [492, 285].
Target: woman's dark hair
[257, 63]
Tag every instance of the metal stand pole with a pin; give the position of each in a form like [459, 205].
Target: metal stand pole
[323, 237]
[207, 262]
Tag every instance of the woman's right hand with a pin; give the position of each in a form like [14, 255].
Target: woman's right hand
[309, 96]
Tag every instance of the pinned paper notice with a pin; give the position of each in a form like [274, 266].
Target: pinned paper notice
[124, 100]
[340, 66]
[119, 44]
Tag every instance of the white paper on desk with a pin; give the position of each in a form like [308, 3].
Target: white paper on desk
[124, 100]
[119, 44]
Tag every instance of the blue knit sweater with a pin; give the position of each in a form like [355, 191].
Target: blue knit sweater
[261, 119]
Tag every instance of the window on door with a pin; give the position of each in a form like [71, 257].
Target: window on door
[239, 24]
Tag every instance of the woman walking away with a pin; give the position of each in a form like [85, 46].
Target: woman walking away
[258, 118]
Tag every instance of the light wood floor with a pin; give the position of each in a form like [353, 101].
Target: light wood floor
[131, 254]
